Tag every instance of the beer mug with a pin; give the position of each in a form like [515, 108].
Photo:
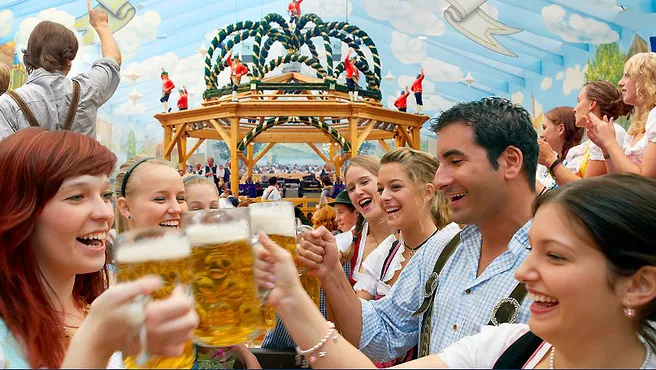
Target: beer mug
[222, 257]
[161, 252]
[278, 221]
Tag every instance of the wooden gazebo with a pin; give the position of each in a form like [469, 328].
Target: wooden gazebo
[290, 108]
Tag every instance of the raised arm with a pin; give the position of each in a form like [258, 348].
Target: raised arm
[100, 22]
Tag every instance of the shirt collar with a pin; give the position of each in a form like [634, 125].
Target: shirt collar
[39, 73]
[518, 243]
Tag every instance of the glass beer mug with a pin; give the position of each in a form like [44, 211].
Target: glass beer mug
[222, 257]
[161, 252]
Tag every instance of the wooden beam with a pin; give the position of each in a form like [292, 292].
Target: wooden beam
[365, 133]
[168, 132]
[195, 147]
[250, 163]
[304, 135]
[179, 130]
[182, 151]
[331, 153]
[344, 158]
[319, 153]
[262, 153]
[222, 132]
[234, 162]
[416, 138]
[406, 137]
[384, 145]
[243, 157]
[353, 137]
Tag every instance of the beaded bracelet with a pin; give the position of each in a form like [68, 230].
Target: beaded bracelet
[306, 357]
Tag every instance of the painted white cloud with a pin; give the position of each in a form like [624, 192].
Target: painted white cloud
[437, 103]
[438, 70]
[405, 80]
[413, 17]
[140, 30]
[409, 50]
[6, 21]
[128, 108]
[546, 84]
[574, 78]
[517, 97]
[327, 8]
[560, 76]
[575, 28]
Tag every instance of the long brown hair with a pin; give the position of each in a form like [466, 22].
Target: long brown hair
[573, 134]
[608, 98]
[34, 163]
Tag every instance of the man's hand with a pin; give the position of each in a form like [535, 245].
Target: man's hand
[318, 252]
[97, 18]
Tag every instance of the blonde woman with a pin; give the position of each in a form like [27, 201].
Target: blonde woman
[200, 193]
[150, 193]
[638, 154]
[413, 206]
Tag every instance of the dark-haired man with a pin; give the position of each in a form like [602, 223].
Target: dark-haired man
[272, 192]
[488, 155]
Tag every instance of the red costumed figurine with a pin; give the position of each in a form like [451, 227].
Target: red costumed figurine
[237, 70]
[352, 76]
[294, 11]
[401, 102]
[418, 89]
[183, 100]
[167, 87]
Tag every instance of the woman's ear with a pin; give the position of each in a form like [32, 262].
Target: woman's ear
[429, 191]
[640, 289]
[123, 207]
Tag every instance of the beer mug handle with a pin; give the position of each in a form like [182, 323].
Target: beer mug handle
[300, 229]
[262, 293]
[137, 317]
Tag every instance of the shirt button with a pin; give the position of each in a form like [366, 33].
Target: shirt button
[468, 291]
[455, 327]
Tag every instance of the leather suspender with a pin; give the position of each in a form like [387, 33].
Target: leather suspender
[506, 311]
[426, 307]
[29, 115]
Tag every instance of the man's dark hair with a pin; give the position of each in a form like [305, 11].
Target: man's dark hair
[273, 180]
[497, 124]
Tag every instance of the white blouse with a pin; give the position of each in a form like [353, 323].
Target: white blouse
[370, 280]
[637, 151]
[482, 350]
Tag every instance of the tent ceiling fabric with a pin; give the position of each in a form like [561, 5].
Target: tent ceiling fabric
[535, 52]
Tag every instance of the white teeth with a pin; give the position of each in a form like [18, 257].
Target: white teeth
[542, 298]
[170, 223]
[362, 202]
[97, 236]
[389, 210]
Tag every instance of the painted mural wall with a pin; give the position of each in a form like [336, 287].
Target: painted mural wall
[537, 53]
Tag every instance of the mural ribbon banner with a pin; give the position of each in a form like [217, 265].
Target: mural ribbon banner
[467, 18]
[120, 13]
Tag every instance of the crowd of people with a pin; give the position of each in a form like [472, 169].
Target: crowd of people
[510, 249]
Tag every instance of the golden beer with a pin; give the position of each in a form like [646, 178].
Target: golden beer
[223, 283]
[276, 219]
[168, 258]
[312, 286]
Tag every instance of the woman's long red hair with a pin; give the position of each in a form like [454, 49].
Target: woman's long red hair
[33, 164]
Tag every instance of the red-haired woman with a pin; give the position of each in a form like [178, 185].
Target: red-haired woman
[55, 213]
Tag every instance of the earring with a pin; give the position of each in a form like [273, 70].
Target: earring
[129, 217]
[629, 312]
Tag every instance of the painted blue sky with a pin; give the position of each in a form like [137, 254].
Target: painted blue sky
[543, 48]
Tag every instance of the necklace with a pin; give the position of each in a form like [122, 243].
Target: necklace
[68, 329]
[643, 366]
[414, 250]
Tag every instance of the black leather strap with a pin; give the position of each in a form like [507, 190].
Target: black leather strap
[507, 310]
[426, 307]
[515, 356]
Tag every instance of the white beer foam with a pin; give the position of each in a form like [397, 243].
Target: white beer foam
[272, 222]
[160, 249]
[217, 233]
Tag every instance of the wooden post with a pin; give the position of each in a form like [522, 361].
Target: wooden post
[332, 154]
[168, 131]
[353, 129]
[250, 164]
[234, 159]
[182, 152]
[416, 138]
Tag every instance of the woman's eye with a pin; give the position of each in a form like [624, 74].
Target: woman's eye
[76, 197]
[555, 257]
[380, 190]
[108, 196]
[160, 199]
[181, 199]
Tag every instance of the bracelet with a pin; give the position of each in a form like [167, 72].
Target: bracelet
[553, 166]
[306, 357]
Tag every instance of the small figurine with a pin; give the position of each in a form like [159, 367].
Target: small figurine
[237, 70]
[352, 76]
[167, 87]
[183, 100]
[417, 89]
[401, 102]
[294, 10]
